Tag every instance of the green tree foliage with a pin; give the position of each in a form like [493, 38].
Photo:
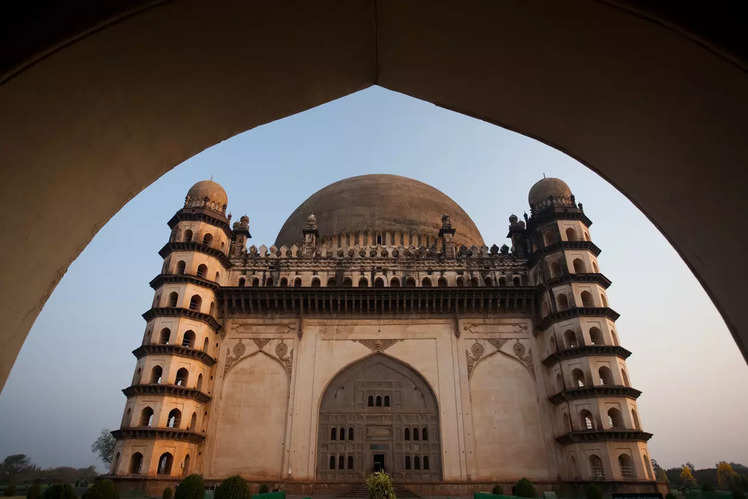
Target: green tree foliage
[264, 489]
[167, 494]
[59, 491]
[592, 491]
[380, 486]
[191, 487]
[670, 495]
[524, 488]
[496, 490]
[104, 446]
[13, 465]
[234, 487]
[102, 489]
[34, 492]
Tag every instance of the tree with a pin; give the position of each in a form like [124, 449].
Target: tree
[104, 446]
[12, 465]
[380, 486]
[234, 487]
[59, 491]
[524, 488]
[686, 476]
[725, 475]
[191, 487]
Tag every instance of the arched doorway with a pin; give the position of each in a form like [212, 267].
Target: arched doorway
[379, 414]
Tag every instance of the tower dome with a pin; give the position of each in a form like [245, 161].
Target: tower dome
[400, 210]
[548, 188]
[206, 194]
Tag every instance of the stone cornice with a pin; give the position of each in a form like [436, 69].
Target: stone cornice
[178, 350]
[565, 246]
[164, 389]
[331, 300]
[182, 312]
[586, 351]
[173, 246]
[200, 215]
[550, 214]
[613, 435]
[596, 278]
[570, 313]
[151, 433]
[161, 279]
[597, 391]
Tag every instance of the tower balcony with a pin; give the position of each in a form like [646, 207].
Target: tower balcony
[173, 246]
[563, 245]
[153, 433]
[201, 215]
[178, 350]
[570, 313]
[182, 312]
[589, 277]
[162, 279]
[586, 351]
[596, 391]
[609, 435]
[164, 389]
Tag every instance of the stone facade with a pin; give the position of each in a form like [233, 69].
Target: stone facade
[450, 367]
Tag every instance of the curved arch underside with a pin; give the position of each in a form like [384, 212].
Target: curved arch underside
[99, 108]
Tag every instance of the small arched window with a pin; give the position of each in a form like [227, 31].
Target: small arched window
[571, 234]
[363, 283]
[563, 302]
[315, 282]
[173, 299]
[347, 282]
[407, 462]
[186, 465]
[579, 267]
[627, 466]
[460, 282]
[474, 282]
[425, 462]
[614, 418]
[342, 434]
[195, 303]
[255, 282]
[175, 417]
[332, 462]
[182, 376]
[410, 282]
[578, 377]
[269, 282]
[371, 401]
[218, 277]
[136, 462]
[407, 434]
[596, 468]
[164, 464]
[146, 416]
[555, 269]
[488, 282]
[425, 434]
[394, 282]
[442, 283]
[331, 282]
[187, 236]
[242, 282]
[189, 339]
[283, 282]
[386, 400]
[606, 377]
[570, 338]
[378, 282]
[193, 421]
[502, 282]
[164, 336]
[333, 434]
[417, 462]
[587, 300]
[156, 373]
[341, 462]
[199, 384]
[587, 420]
[379, 401]
[202, 270]
[350, 433]
[350, 462]
[207, 239]
[211, 308]
[425, 282]
[297, 282]
[596, 336]
[205, 345]
[180, 267]
[516, 281]
[415, 433]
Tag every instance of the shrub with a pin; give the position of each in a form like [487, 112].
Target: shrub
[380, 486]
[524, 488]
[592, 491]
[496, 490]
[264, 488]
[670, 495]
[191, 487]
[167, 494]
[34, 492]
[234, 487]
[10, 489]
[59, 491]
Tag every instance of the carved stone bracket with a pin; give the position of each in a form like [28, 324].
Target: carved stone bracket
[283, 354]
[515, 327]
[378, 344]
[477, 353]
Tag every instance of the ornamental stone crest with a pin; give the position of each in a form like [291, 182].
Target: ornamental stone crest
[377, 344]
[477, 353]
[238, 352]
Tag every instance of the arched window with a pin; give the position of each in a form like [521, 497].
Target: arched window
[488, 282]
[378, 282]
[379, 239]
[218, 276]
[596, 336]
[460, 282]
[578, 377]
[417, 463]
[410, 282]
[189, 339]
[195, 303]
[242, 282]
[156, 373]
[474, 282]
[425, 462]
[371, 401]
[570, 338]
[571, 234]
[331, 282]
[587, 300]
[341, 462]
[342, 434]
[283, 282]
[186, 465]
[255, 282]
[407, 462]
[502, 282]
[202, 270]
[180, 267]
[315, 282]
[425, 282]
[386, 400]
[347, 282]
[164, 336]
[182, 375]
[407, 434]
[269, 282]
[332, 462]
[350, 433]
[193, 421]
[173, 298]
[205, 345]
[350, 462]
[563, 302]
[187, 236]
[442, 282]
[425, 434]
[635, 418]
[596, 468]
[394, 282]
[625, 378]
[199, 384]
[579, 267]
[606, 377]
[207, 239]
[415, 433]
[516, 281]
[555, 269]
[627, 466]
[136, 462]
[146, 416]
[379, 401]
[363, 283]
[164, 464]
[333, 434]
[587, 420]
[211, 308]
[297, 282]
[175, 417]
[614, 418]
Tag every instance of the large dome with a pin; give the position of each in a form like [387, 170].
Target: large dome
[396, 207]
[206, 194]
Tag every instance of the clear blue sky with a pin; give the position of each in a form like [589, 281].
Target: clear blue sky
[65, 385]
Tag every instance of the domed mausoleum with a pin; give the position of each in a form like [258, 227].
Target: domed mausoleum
[380, 332]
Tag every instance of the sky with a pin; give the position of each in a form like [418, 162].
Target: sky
[66, 384]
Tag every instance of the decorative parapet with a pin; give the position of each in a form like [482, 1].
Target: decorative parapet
[164, 389]
[151, 433]
[586, 351]
[595, 278]
[612, 435]
[182, 312]
[563, 245]
[162, 279]
[173, 246]
[595, 392]
[571, 313]
[199, 215]
[178, 350]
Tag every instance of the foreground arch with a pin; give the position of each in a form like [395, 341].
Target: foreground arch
[99, 102]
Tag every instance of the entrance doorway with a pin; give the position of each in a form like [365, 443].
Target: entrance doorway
[378, 462]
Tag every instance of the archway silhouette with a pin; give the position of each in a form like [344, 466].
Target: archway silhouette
[188, 75]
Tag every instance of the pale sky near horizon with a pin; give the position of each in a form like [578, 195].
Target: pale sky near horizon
[66, 384]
